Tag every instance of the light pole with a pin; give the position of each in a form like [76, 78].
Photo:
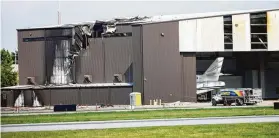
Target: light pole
[58, 13]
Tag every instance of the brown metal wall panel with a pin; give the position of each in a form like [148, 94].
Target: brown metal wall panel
[123, 28]
[64, 96]
[32, 33]
[31, 57]
[45, 96]
[49, 58]
[137, 60]
[161, 62]
[189, 77]
[59, 32]
[120, 95]
[9, 98]
[16, 93]
[93, 96]
[118, 57]
[86, 96]
[28, 94]
[91, 62]
[112, 53]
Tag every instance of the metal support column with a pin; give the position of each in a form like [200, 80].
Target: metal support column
[262, 73]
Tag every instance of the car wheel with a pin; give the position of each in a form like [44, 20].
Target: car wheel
[239, 102]
[214, 103]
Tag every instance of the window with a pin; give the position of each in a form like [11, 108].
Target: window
[258, 24]
[228, 39]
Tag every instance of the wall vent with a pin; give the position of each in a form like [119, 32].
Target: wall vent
[118, 77]
[87, 79]
[31, 81]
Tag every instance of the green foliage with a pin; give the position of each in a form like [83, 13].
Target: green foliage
[8, 77]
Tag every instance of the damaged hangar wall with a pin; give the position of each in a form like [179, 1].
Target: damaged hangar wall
[104, 58]
[160, 70]
[45, 54]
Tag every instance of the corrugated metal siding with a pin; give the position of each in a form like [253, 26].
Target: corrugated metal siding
[64, 96]
[59, 32]
[189, 77]
[28, 98]
[137, 60]
[106, 57]
[273, 30]
[118, 57]
[123, 28]
[188, 36]
[162, 62]
[45, 95]
[9, 98]
[91, 96]
[210, 34]
[85, 96]
[91, 62]
[31, 57]
[120, 96]
[241, 32]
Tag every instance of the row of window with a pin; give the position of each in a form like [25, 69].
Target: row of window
[258, 30]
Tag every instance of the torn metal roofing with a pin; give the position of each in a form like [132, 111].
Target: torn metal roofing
[154, 19]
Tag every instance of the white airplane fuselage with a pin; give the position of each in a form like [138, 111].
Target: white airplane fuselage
[210, 79]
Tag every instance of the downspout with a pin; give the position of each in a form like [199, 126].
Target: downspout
[46, 79]
[104, 58]
[142, 69]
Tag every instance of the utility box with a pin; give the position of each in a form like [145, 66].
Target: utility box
[135, 99]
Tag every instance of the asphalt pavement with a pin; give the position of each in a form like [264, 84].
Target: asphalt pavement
[136, 123]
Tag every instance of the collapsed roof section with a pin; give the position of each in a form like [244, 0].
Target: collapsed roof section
[101, 26]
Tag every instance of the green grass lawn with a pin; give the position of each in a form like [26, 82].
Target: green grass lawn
[155, 114]
[270, 130]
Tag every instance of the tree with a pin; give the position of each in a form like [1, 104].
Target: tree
[8, 77]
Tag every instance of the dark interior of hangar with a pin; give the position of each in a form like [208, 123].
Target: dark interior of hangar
[246, 69]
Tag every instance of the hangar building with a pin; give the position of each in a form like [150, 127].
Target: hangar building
[159, 56]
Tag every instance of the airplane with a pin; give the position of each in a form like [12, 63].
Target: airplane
[210, 79]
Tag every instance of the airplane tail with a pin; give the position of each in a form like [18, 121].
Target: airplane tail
[213, 72]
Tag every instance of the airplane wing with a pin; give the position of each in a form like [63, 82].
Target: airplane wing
[210, 84]
[222, 74]
[201, 91]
